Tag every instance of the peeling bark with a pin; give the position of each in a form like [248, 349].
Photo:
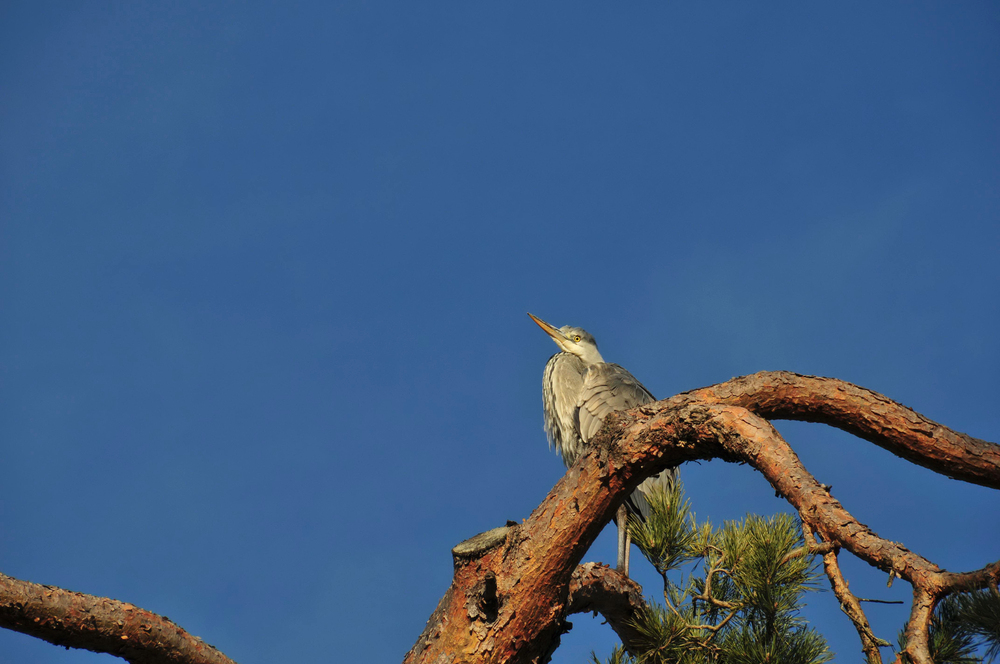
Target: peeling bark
[727, 422]
[598, 588]
[849, 604]
[514, 586]
[76, 620]
[782, 395]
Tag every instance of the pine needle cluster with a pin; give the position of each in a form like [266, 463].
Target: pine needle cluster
[739, 588]
[738, 593]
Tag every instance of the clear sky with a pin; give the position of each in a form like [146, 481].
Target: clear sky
[264, 270]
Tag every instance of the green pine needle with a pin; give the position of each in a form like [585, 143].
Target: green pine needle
[667, 536]
[741, 600]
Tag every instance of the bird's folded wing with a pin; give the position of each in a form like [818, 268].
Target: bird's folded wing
[606, 388]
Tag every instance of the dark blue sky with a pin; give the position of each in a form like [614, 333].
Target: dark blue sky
[264, 271]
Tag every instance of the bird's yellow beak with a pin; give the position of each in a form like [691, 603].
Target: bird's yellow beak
[553, 332]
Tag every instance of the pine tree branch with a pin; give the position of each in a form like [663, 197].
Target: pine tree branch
[784, 395]
[666, 596]
[917, 630]
[99, 624]
[988, 576]
[706, 595]
[714, 629]
[849, 604]
[533, 567]
[759, 444]
[598, 588]
[810, 549]
[508, 599]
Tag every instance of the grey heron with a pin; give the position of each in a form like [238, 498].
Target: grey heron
[579, 389]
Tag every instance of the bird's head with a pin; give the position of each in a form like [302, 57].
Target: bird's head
[573, 340]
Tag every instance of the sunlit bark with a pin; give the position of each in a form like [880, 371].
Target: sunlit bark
[531, 566]
[514, 587]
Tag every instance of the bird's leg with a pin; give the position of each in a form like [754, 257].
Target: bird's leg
[628, 547]
[623, 540]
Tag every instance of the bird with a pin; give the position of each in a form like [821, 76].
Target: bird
[579, 389]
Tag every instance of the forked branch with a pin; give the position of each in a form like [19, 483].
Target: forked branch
[726, 421]
[513, 589]
[782, 395]
[600, 589]
[849, 604]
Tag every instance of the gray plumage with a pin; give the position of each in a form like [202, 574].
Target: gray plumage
[579, 389]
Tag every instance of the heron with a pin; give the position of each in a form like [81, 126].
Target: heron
[579, 389]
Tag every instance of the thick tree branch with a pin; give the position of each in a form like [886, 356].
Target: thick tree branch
[533, 566]
[761, 446]
[764, 448]
[784, 395]
[99, 624]
[917, 630]
[514, 586]
[598, 588]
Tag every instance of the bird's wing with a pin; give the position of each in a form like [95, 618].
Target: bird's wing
[606, 388]
[562, 384]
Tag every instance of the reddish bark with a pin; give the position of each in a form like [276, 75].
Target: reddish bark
[532, 567]
[513, 587]
[782, 395]
[849, 604]
[76, 620]
[598, 588]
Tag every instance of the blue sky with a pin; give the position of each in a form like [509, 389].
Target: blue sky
[264, 271]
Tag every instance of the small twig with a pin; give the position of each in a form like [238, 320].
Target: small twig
[881, 601]
[666, 595]
[848, 602]
[825, 547]
[706, 595]
[715, 628]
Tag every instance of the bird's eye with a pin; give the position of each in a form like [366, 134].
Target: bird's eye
[576, 338]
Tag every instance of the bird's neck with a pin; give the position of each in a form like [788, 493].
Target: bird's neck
[590, 356]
